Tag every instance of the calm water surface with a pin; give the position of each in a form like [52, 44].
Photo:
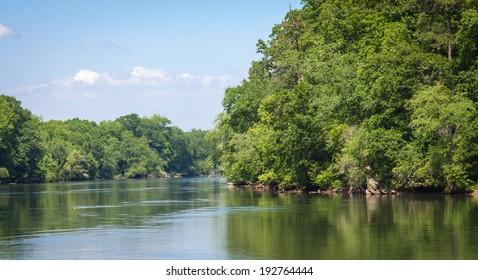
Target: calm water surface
[201, 218]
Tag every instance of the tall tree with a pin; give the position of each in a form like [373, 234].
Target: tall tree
[349, 91]
[20, 146]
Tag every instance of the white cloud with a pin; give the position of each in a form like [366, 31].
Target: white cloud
[145, 73]
[137, 77]
[205, 80]
[190, 101]
[186, 77]
[5, 31]
[86, 76]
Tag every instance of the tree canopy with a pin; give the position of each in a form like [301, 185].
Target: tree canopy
[129, 147]
[347, 91]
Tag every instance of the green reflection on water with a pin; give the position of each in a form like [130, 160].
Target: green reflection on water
[29, 209]
[320, 227]
[201, 218]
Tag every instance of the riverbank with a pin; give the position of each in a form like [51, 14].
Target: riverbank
[372, 189]
[165, 176]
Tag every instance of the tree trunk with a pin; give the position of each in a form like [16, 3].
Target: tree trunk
[448, 26]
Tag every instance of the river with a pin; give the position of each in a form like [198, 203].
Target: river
[203, 218]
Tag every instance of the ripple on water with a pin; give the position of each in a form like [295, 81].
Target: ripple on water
[80, 207]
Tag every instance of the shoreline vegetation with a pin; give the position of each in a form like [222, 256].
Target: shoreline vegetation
[352, 191]
[165, 176]
[32, 150]
[352, 92]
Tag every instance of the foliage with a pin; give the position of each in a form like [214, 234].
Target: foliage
[20, 148]
[352, 90]
[128, 147]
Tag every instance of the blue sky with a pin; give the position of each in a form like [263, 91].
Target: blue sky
[102, 59]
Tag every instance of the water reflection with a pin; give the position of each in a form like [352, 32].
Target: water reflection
[388, 227]
[108, 220]
[200, 218]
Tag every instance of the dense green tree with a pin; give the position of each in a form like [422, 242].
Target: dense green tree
[241, 161]
[445, 118]
[128, 147]
[347, 91]
[20, 147]
[135, 158]
[203, 150]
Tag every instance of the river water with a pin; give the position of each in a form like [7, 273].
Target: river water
[203, 218]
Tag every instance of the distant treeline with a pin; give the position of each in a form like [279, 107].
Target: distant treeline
[348, 91]
[32, 150]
